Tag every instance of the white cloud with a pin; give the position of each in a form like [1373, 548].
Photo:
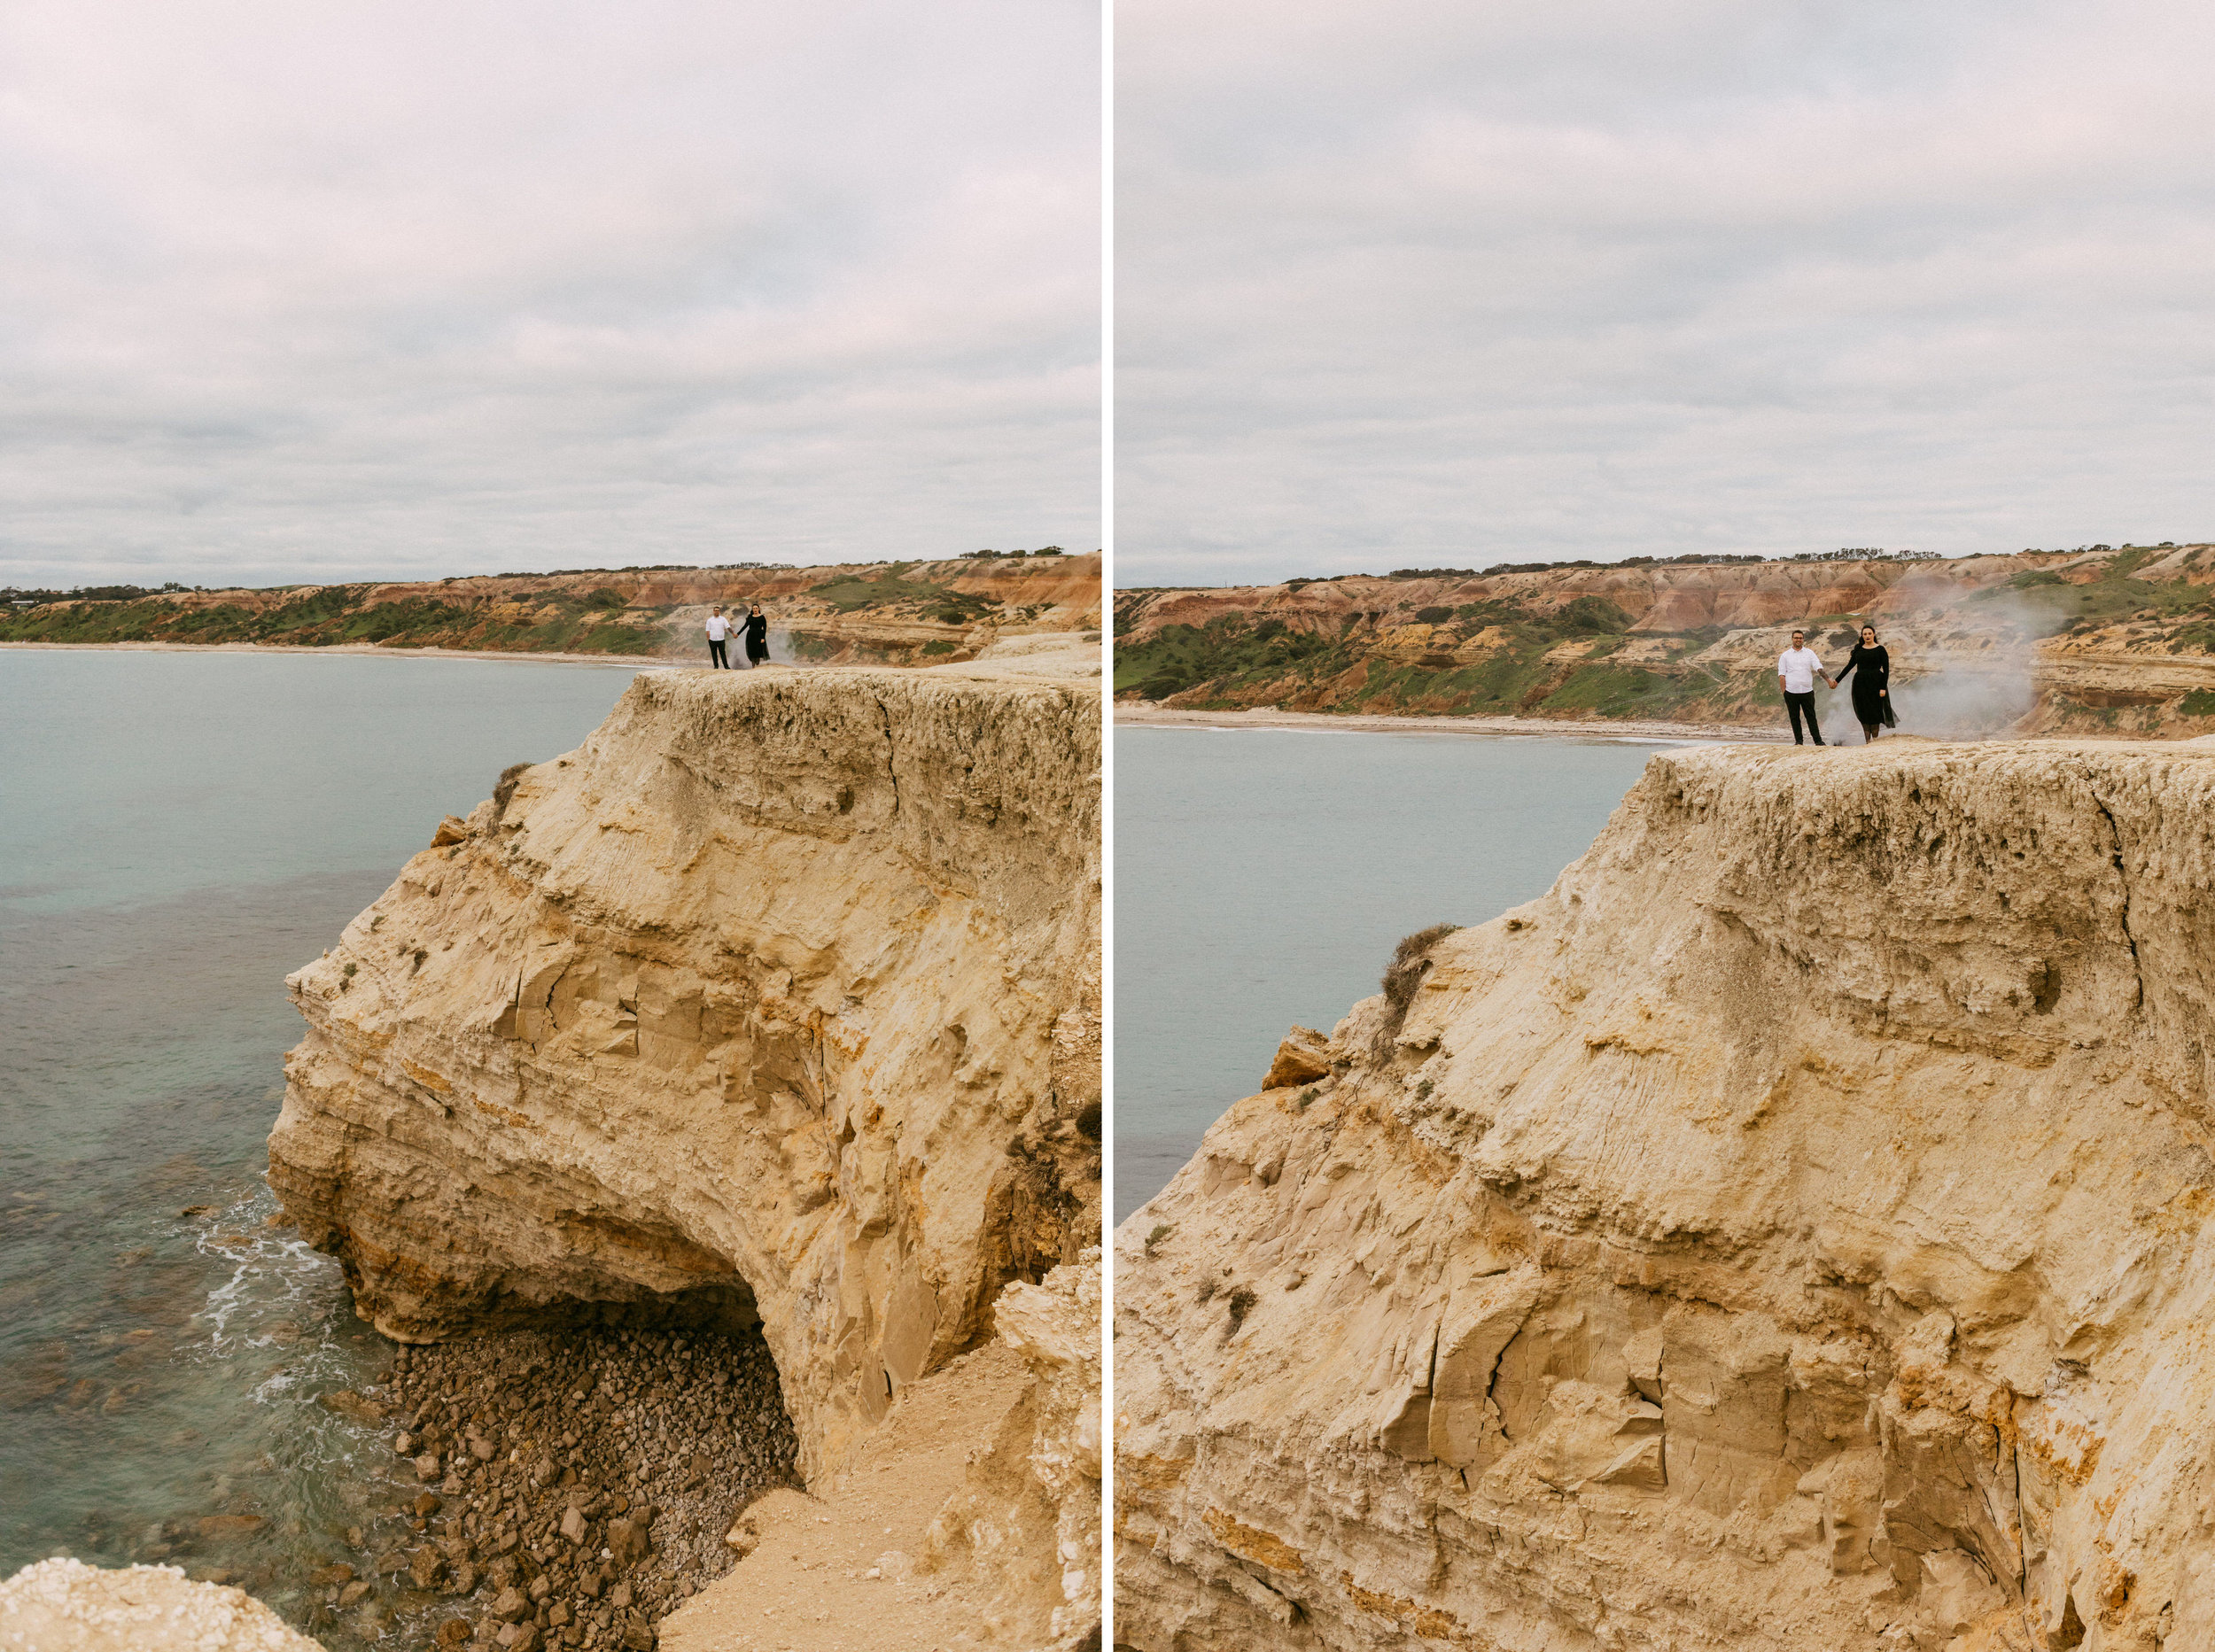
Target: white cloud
[325, 291]
[1427, 283]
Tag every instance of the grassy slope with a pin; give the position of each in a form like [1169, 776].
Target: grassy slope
[319, 617]
[1233, 661]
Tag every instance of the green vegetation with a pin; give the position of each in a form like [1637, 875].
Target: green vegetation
[1235, 660]
[2199, 703]
[2057, 604]
[885, 588]
[1587, 615]
[329, 615]
[1178, 657]
[1625, 691]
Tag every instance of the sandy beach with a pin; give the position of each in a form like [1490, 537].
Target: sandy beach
[1146, 715]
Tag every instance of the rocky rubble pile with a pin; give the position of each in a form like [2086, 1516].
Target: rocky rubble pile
[573, 1490]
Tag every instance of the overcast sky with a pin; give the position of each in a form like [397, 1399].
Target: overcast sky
[311, 291]
[1430, 281]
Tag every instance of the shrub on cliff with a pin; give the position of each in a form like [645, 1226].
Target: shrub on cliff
[1410, 962]
[1588, 615]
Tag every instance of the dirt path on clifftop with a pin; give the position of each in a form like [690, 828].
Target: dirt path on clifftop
[1149, 715]
[807, 1588]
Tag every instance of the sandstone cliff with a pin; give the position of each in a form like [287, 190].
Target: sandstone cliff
[778, 996]
[1786, 1234]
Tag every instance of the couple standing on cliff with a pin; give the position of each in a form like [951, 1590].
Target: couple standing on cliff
[1870, 667]
[756, 628]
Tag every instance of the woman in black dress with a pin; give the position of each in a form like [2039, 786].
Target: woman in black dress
[1872, 683]
[757, 637]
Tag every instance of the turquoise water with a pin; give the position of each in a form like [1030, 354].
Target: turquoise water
[177, 833]
[1263, 877]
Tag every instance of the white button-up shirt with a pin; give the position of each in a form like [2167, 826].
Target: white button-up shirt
[1798, 667]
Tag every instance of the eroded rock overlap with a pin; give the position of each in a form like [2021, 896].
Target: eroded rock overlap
[1787, 1233]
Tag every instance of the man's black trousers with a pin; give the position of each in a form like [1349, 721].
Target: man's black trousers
[1798, 705]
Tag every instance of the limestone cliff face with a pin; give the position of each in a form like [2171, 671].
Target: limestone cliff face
[1792, 1232]
[780, 994]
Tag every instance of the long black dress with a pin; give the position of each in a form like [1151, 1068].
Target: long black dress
[1872, 686]
[756, 638]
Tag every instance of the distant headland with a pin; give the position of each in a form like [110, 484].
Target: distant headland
[888, 613]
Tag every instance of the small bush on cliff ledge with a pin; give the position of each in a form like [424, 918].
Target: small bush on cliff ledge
[1410, 962]
[504, 789]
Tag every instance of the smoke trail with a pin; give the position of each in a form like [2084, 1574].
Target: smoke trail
[1956, 694]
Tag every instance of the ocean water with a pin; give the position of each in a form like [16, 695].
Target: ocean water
[1264, 876]
[177, 833]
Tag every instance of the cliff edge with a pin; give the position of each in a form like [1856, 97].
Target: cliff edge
[1787, 1233]
[776, 998]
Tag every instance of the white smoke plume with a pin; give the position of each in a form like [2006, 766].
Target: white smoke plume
[1950, 686]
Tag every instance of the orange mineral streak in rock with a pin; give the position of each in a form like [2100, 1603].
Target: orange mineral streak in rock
[1252, 1544]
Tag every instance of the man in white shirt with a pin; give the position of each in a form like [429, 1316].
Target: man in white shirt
[1796, 669]
[718, 628]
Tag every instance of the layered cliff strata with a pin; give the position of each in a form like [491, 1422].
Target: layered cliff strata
[1788, 1233]
[778, 997]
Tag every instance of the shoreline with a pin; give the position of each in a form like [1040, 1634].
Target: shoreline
[369, 650]
[1144, 715]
